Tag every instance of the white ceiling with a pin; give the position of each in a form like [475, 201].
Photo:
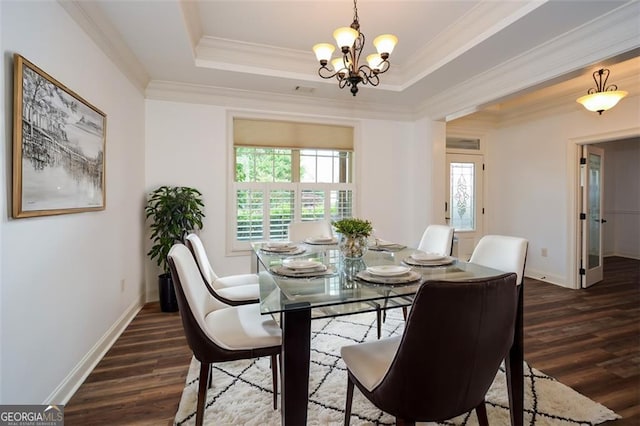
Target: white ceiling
[264, 46]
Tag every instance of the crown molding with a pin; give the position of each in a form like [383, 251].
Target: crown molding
[192, 22]
[90, 18]
[606, 37]
[252, 100]
[260, 59]
[253, 58]
[463, 35]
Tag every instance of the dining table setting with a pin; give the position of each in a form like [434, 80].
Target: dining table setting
[305, 280]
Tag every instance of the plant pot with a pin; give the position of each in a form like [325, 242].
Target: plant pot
[168, 300]
[353, 246]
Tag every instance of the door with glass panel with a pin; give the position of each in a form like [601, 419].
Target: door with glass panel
[592, 175]
[464, 208]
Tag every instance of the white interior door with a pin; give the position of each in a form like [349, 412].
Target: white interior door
[592, 180]
[464, 208]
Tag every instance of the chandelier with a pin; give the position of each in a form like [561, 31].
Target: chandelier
[602, 97]
[346, 69]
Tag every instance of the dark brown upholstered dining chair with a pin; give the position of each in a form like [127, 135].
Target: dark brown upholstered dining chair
[227, 334]
[456, 336]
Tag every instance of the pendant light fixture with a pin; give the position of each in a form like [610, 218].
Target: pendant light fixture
[602, 97]
[346, 69]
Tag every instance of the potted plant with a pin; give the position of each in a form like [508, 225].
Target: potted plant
[174, 211]
[353, 236]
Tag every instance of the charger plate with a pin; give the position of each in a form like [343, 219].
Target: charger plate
[410, 277]
[446, 260]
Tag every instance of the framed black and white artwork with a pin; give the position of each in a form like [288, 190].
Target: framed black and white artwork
[58, 147]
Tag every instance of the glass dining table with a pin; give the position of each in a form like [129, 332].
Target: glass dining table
[302, 281]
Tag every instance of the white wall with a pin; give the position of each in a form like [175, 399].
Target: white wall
[3, 195]
[622, 198]
[68, 282]
[529, 182]
[187, 144]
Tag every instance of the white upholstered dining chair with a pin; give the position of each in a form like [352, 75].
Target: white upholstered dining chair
[505, 253]
[232, 290]
[437, 239]
[219, 335]
[509, 254]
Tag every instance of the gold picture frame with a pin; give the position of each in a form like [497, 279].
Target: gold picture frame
[59, 142]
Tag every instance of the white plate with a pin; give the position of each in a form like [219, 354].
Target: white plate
[300, 264]
[321, 239]
[279, 244]
[388, 270]
[422, 256]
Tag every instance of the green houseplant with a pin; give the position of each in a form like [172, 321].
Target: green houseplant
[174, 211]
[354, 233]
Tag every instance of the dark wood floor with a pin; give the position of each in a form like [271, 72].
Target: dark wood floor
[588, 339]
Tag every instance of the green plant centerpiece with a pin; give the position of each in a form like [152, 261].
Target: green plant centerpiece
[353, 236]
[174, 211]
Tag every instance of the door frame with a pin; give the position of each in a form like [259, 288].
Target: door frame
[574, 208]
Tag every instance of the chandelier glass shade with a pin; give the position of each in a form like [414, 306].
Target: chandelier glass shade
[602, 97]
[347, 68]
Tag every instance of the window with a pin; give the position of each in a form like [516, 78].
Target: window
[303, 179]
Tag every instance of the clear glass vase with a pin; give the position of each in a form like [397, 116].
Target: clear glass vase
[353, 246]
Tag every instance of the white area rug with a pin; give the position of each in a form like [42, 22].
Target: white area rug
[241, 392]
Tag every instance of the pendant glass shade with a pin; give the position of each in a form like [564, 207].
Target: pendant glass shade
[601, 101]
[323, 51]
[345, 36]
[338, 65]
[375, 61]
[385, 43]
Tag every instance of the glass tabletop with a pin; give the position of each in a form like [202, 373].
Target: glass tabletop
[323, 280]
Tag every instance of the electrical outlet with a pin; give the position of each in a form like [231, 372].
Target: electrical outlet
[544, 252]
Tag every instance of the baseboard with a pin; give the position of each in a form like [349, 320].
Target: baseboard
[625, 255]
[65, 390]
[548, 278]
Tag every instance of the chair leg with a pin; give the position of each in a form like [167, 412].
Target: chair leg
[274, 374]
[210, 376]
[481, 412]
[404, 313]
[347, 407]
[379, 321]
[203, 385]
[514, 367]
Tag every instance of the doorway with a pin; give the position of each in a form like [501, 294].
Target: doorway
[617, 235]
[464, 205]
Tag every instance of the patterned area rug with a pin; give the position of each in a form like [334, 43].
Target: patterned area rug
[241, 392]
